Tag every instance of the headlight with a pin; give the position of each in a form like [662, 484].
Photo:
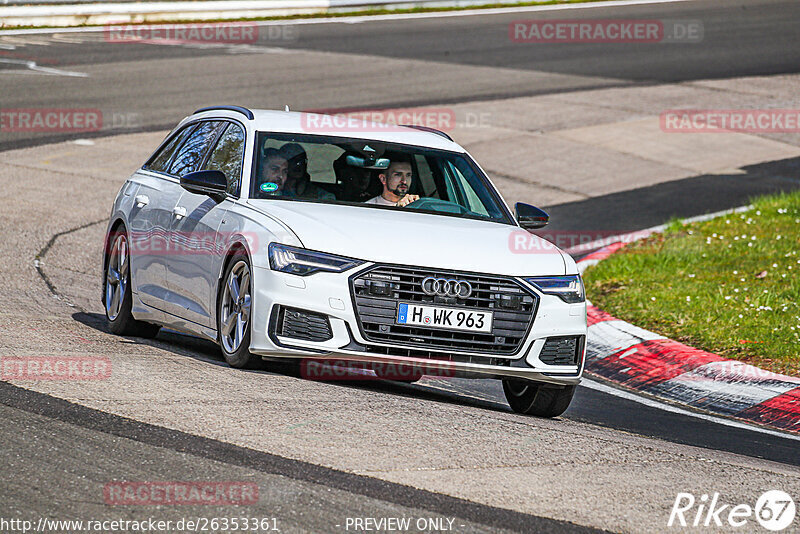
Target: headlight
[303, 262]
[569, 288]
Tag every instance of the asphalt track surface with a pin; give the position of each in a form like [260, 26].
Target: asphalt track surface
[741, 38]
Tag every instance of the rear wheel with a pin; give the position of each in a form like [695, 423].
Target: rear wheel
[118, 295]
[233, 314]
[540, 400]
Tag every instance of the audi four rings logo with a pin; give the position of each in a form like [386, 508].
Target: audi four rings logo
[446, 288]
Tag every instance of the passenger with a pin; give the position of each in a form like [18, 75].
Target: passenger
[396, 180]
[274, 170]
[354, 181]
[298, 184]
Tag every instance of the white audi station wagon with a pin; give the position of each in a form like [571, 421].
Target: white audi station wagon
[283, 235]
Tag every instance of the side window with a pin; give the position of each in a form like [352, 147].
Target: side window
[192, 151]
[227, 157]
[474, 202]
[464, 189]
[160, 160]
[452, 194]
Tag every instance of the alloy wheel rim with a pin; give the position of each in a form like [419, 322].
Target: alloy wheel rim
[117, 277]
[235, 309]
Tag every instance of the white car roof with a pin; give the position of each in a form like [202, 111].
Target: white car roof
[320, 124]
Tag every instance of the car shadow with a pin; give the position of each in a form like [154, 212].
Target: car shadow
[645, 207]
[208, 352]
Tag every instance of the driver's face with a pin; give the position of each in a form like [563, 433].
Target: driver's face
[276, 169]
[398, 178]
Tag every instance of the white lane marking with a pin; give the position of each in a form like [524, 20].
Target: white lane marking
[583, 265]
[58, 38]
[230, 48]
[255, 49]
[597, 386]
[28, 41]
[400, 16]
[607, 338]
[39, 69]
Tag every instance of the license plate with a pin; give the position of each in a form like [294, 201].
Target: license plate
[444, 318]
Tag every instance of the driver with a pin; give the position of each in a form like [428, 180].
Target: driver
[396, 180]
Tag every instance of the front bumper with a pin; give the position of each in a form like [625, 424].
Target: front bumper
[329, 294]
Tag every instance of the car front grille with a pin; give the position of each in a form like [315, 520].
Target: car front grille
[378, 291]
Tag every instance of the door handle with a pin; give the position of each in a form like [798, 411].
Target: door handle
[142, 200]
[179, 211]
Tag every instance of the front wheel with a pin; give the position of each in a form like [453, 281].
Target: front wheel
[233, 314]
[530, 398]
[399, 375]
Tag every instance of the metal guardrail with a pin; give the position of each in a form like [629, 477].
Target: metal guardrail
[282, 3]
[59, 13]
[58, 2]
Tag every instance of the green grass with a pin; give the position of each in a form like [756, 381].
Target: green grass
[729, 286]
[329, 14]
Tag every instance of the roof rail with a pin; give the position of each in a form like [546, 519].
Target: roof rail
[244, 111]
[428, 129]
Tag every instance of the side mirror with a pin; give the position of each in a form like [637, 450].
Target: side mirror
[530, 217]
[211, 183]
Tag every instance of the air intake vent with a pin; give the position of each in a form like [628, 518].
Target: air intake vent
[303, 324]
[562, 350]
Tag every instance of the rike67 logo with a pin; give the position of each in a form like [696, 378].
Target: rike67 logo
[774, 510]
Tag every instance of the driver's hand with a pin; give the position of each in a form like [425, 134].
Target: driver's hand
[406, 200]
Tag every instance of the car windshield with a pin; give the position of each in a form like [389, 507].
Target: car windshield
[373, 174]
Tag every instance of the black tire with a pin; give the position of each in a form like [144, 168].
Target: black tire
[120, 320]
[541, 400]
[398, 373]
[401, 380]
[235, 349]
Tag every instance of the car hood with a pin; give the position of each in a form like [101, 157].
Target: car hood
[406, 237]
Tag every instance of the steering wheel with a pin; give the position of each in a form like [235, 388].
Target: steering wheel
[434, 204]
